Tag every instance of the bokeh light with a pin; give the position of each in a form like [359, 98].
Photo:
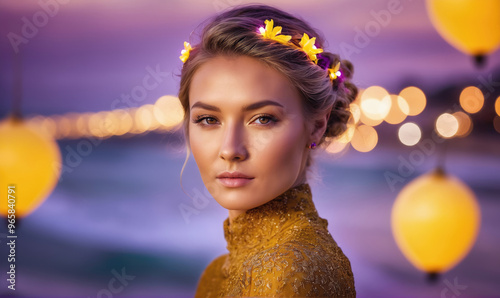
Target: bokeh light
[63, 124]
[496, 123]
[138, 127]
[111, 123]
[168, 111]
[346, 137]
[365, 138]
[82, 124]
[446, 125]
[415, 99]
[375, 103]
[96, 124]
[44, 125]
[399, 110]
[145, 119]
[471, 99]
[125, 121]
[355, 111]
[35, 122]
[73, 131]
[336, 147]
[165, 114]
[368, 121]
[464, 124]
[409, 134]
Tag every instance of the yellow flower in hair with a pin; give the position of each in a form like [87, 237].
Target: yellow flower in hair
[271, 32]
[335, 72]
[309, 47]
[185, 52]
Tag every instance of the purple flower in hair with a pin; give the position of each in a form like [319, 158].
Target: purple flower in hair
[323, 61]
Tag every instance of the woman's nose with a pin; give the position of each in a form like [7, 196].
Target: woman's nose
[233, 146]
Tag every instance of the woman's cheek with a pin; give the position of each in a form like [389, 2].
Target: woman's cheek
[279, 146]
[261, 140]
[291, 149]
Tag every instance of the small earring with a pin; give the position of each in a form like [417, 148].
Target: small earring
[313, 145]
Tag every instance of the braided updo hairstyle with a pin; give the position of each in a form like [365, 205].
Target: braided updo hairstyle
[235, 33]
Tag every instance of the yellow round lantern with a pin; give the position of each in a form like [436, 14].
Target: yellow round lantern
[435, 221]
[29, 161]
[471, 26]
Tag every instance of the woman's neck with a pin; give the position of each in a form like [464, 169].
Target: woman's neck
[234, 213]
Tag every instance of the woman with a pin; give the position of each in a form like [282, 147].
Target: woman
[257, 99]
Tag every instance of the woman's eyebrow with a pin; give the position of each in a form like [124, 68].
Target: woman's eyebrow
[250, 107]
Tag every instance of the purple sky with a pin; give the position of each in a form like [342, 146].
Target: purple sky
[89, 53]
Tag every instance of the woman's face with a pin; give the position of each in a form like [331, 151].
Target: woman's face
[246, 117]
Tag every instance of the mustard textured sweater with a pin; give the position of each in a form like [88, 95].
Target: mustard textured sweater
[279, 249]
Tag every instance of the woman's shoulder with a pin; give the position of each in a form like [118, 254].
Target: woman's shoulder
[298, 256]
[210, 279]
[298, 268]
[309, 238]
[214, 267]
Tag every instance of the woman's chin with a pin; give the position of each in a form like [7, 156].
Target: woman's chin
[237, 201]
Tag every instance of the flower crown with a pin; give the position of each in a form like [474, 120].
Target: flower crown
[274, 33]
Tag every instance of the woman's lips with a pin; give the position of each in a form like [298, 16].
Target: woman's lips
[234, 182]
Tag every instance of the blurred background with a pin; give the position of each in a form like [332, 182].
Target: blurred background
[98, 80]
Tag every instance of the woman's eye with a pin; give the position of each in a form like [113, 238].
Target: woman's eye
[266, 120]
[261, 120]
[205, 120]
[210, 120]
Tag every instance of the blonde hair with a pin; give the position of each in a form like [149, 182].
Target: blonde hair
[235, 33]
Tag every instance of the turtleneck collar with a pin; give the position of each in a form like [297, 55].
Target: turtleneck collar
[258, 225]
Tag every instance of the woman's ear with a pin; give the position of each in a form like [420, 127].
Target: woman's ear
[319, 127]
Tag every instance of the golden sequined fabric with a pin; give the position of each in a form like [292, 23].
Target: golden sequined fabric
[279, 249]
